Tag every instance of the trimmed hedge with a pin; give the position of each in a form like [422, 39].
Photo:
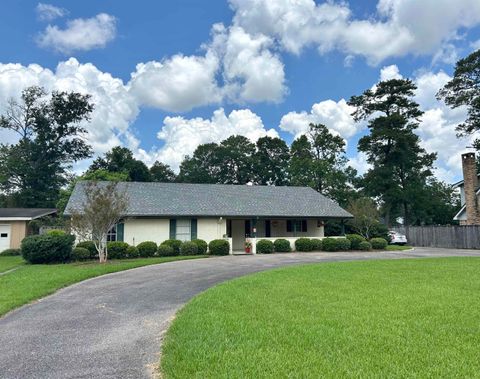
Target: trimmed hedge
[132, 252]
[265, 247]
[303, 244]
[56, 232]
[117, 249]
[201, 245]
[343, 244]
[165, 251]
[282, 246]
[219, 247]
[355, 240]
[365, 246]
[47, 248]
[175, 244]
[379, 243]
[329, 244]
[188, 248]
[316, 244]
[90, 246]
[80, 254]
[147, 248]
[10, 252]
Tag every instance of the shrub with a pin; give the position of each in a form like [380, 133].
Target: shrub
[175, 244]
[303, 244]
[56, 232]
[165, 251]
[188, 248]
[47, 248]
[355, 240]
[330, 244]
[282, 246]
[80, 254]
[90, 246]
[365, 246]
[265, 247]
[201, 245]
[379, 230]
[316, 244]
[10, 252]
[117, 249]
[343, 244]
[219, 247]
[132, 252]
[379, 243]
[147, 248]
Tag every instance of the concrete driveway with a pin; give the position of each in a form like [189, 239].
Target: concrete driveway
[112, 326]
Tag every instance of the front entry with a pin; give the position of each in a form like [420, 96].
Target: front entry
[238, 235]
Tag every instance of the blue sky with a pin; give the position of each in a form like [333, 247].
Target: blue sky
[168, 75]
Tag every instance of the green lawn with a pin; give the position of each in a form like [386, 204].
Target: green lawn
[31, 282]
[398, 247]
[7, 263]
[403, 318]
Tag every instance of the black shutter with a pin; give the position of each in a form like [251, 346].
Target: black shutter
[289, 226]
[193, 229]
[173, 229]
[268, 232]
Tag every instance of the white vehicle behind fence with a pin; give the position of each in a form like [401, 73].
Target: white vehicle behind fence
[397, 238]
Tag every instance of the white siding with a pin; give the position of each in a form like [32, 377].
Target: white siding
[138, 230]
[209, 229]
[279, 229]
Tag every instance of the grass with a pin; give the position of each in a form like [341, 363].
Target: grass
[31, 282]
[369, 319]
[7, 263]
[398, 247]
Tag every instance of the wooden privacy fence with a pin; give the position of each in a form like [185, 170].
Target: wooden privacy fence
[459, 237]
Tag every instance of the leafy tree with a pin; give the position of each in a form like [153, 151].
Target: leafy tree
[161, 172]
[464, 90]
[103, 207]
[235, 156]
[121, 160]
[366, 216]
[202, 167]
[50, 132]
[400, 167]
[271, 161]
[318, 160]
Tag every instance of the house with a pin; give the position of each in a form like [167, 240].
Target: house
[161, 211]
[14, 224]
[469, 214]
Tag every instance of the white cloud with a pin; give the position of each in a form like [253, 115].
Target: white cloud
[115, 108]
[80, 34]
[335, 115]
[400, 27]
[181, 136]
[359, 163]
[390, 72]
[49, 12]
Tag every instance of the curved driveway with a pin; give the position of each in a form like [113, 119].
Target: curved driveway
[112, 326]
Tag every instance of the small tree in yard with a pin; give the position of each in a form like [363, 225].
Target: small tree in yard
[103, 207]
[365, 215]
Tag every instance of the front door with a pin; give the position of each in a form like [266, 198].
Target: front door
[238, 235]
[4, 237]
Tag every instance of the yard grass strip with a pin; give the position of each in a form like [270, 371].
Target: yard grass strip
[10, 262]
[31, 282]
[367, 319]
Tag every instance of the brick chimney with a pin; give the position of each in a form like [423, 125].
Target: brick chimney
[470, 181]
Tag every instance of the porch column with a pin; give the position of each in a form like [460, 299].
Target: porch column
[254, 245]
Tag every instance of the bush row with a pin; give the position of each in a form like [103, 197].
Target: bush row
[351, 242]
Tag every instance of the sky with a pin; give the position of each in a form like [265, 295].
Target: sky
[168, 75]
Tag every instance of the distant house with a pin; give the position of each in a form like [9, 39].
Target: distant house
[469, 214]
[14, 224]
[161, 211]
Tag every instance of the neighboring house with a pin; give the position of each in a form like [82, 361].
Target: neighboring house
[161, 211]
[469, 214]
[14, 224]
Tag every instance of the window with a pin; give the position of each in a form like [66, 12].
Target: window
[297, 226]
[112, 234]
[4, 235]
[184, 231]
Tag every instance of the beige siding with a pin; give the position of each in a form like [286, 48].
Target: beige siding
[18, 233]
[211, 228]
[140, 230]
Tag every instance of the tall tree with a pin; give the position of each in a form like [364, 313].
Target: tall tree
[236, 157]
[50, 131]
[318, 160]
[121, 160]
[202, 167]
[161, 172]
[400, 167]
[271, 161]
[464, 90]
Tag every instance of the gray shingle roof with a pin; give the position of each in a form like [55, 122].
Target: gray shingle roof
[26, 212]
[182, 199]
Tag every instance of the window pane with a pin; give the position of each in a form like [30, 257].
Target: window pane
[183, 230]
